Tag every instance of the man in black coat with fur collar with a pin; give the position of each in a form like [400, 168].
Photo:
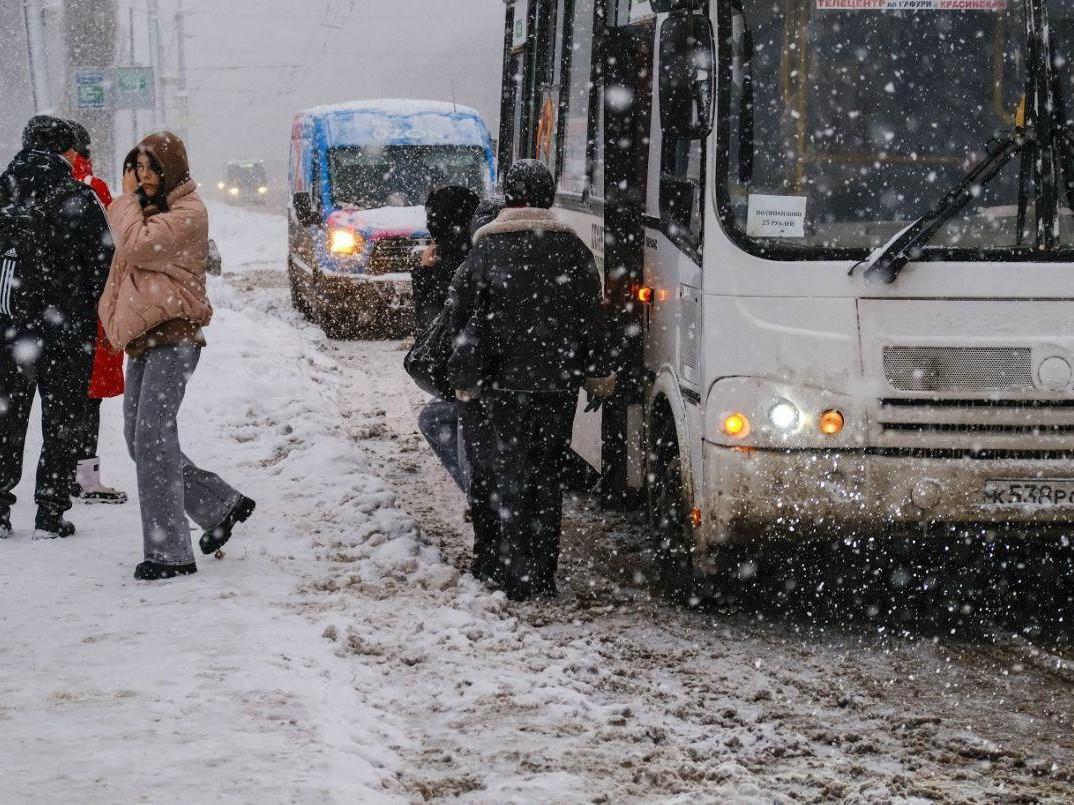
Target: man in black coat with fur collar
[526, 306]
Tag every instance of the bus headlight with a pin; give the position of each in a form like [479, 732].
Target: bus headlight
[343, 241]
[784, 415]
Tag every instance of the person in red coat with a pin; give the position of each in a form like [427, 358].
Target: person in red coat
[107, 378]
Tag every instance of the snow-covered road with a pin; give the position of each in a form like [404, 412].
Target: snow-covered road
[336, 654]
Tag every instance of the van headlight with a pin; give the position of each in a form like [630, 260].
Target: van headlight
[343, 241]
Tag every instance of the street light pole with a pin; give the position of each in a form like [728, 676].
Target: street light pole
[35, 41]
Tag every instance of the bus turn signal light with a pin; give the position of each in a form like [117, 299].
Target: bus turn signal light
[831, 422]
[644, 294]
[736, 425]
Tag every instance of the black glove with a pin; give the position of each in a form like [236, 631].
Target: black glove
[593, 402]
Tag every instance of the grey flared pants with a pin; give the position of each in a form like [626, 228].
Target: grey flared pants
[170, 485]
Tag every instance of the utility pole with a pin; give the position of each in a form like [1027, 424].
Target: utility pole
[182, 98]
[157, 61]
[35, 40]
[132, 63]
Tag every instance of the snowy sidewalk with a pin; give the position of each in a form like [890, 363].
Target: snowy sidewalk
[212, 688]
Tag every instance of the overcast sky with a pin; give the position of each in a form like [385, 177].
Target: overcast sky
[253, 63]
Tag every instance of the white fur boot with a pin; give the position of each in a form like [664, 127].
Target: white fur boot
[89, 487]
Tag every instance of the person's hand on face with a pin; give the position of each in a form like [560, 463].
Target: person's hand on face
[148, 179]
[130, 180]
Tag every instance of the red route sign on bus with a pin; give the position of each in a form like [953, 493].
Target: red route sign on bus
[912, 5]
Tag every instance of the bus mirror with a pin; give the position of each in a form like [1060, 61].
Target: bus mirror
[687, 76]
[303, 207]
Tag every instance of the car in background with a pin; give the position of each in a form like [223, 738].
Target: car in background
[245, 182]
[359, 176]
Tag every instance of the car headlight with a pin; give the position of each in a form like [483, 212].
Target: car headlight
[220, 185]
[343, 241]
[262, 190]
[234, 191]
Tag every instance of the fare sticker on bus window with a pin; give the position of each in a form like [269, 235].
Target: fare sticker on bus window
[912, 5]
[776, 216]
[640, 10]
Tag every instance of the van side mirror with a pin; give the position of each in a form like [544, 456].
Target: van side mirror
[303, 207]
[687, 76]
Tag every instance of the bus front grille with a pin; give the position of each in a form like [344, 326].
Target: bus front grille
[978, 424]
[965, 369]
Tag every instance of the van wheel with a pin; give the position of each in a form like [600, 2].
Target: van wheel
[672, 534]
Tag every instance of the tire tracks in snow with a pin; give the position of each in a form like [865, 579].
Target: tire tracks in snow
[607, 695]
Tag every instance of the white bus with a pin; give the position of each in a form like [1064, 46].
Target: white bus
[837, 242]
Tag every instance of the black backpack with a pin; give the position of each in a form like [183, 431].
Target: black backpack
[23, 230]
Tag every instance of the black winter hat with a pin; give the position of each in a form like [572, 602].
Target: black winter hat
[448, 211]
[48, 133]
[529, 183]
[82, 138]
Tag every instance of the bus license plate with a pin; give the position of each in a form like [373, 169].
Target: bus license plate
[1038, 492]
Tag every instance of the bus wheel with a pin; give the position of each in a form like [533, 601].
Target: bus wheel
[673, 544]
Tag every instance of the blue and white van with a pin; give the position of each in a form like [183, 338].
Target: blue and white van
[359, 176]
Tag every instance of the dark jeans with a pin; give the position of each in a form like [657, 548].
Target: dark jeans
[439, 424]
[89, 429]
[480, 444]
[533, 431]
[47, 360]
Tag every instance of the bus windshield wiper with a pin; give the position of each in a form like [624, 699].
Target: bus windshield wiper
[1041, 136]
[885, 263]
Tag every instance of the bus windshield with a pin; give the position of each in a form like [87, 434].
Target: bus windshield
[866, 112]
[402, 175]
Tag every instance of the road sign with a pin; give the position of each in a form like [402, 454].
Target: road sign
[110, 88]
[92, 89]
[133, 88]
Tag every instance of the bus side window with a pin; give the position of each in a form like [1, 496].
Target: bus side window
[574, 176]
[680, 189]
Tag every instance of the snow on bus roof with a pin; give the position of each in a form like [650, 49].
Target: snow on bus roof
[405, 122]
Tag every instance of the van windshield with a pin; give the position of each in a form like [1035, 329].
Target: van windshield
[402, 175]
[248, 174]
[866, 112]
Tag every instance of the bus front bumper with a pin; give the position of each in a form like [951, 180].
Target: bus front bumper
[802, 493]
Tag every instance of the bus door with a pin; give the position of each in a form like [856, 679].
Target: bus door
[627, 124]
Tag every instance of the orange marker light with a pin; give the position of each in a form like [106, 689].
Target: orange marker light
[831, 422]
[736, 425]
[644, 295]
[695, 518]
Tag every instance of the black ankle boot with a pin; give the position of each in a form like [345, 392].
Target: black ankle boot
[48, 525]
[5, 524]
[215, 538]
[152, 571]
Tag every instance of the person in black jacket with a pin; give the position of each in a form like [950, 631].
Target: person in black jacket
[448, 212]
[58, 250]
[526, 306]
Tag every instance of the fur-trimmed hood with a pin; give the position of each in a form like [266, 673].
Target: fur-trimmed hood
[521, 219]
